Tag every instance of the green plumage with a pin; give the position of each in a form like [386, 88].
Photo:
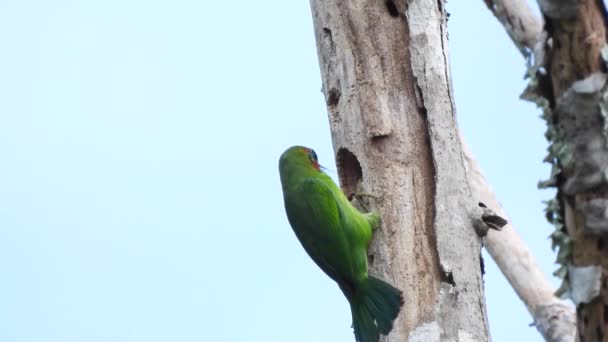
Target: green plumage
[336, 236]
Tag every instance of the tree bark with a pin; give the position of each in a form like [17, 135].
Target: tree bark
[386, 81]
[570, 85]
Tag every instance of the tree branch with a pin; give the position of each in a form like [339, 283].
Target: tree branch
[519, 21]
[553, 317]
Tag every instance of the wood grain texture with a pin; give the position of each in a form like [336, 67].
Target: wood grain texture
[387, 86]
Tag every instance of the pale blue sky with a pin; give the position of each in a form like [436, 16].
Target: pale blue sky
[139, 191]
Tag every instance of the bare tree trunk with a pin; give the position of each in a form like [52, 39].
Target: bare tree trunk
[569, 83]
[387, 85]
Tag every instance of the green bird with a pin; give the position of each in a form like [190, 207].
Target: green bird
[336, 236]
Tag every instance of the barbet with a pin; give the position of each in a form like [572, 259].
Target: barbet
[336, 236]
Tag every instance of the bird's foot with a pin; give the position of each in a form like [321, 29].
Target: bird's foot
[360, 200]
[364, 194]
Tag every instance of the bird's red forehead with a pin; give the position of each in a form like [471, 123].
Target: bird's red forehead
[315, 163]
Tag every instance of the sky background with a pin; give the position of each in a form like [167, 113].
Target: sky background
[139, 191]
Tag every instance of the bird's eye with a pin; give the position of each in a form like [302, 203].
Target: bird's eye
[313, 155]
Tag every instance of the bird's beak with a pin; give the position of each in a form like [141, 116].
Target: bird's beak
[324, 168]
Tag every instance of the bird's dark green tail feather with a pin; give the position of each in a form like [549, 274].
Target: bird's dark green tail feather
[374, 306]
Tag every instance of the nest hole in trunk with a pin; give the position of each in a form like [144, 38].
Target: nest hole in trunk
[349, 172]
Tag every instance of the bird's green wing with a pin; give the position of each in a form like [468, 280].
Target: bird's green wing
[317, 220]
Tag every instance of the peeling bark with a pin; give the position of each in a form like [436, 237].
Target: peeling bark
[573, 93]
[387, 86]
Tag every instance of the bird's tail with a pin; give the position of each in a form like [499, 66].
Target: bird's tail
[374, 305]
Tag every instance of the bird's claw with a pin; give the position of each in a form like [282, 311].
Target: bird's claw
[360, 202]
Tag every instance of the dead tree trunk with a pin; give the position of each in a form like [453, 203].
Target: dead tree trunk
[569, 82]
[387, 86]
